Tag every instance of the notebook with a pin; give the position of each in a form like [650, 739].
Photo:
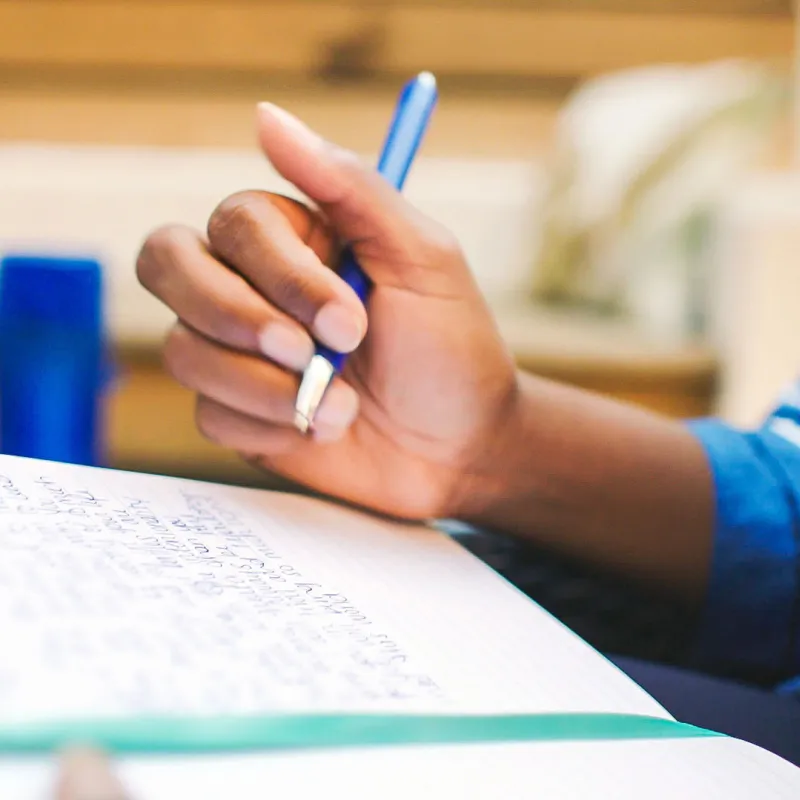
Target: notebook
[231, 642]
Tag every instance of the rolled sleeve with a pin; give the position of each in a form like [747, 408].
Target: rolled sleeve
[748, 627]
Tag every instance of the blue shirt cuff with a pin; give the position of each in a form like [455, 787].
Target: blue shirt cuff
[747, 625]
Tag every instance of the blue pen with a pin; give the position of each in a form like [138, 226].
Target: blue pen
[412, 113]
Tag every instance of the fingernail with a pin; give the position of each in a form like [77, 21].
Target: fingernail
[87, 775]
[337, 412]
[338, 327]
[301, 133]
[286, 344]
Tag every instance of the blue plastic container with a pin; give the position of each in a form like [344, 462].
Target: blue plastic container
[52, 358]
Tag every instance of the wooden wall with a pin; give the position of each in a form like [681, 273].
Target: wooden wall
[475, 38]
[189, 71]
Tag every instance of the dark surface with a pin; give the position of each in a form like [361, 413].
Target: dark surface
[649, 638]
[755, 715]
[612, 617]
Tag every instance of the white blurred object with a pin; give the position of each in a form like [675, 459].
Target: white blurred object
[642, 159]
[104, 200]
[757, 274]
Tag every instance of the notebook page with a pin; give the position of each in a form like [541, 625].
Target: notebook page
[124, 594]
[696, 769]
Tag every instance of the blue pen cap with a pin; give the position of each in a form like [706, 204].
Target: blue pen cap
[51, 291]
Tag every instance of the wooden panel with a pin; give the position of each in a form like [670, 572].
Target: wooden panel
[231, 35]
[515, 41]
[724, 7]
[506, 127]
[390, 38]
[705, 7]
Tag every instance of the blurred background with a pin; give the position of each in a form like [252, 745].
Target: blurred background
[620, 172]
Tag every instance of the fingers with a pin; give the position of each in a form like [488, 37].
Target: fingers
[176, 266]
[360, 203]
[243, 397]
[227, 323]
[250, 233]
[394, 243]
[231, 429]
[247, 435]
[87, 775]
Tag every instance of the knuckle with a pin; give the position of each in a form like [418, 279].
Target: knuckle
[347, 161]
[228, 323]
[352, 170]
[234, 219]
[177, 355]
[296, 293]
[160, 250]
[206, 420]
[439, 245]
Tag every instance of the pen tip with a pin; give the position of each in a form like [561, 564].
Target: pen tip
[427, 78]
[316, 378]
[301, 422]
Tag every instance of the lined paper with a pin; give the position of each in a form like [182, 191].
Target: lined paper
[126, 594]
[129, 594]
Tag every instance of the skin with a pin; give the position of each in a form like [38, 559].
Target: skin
[430, 419]
[85, 774]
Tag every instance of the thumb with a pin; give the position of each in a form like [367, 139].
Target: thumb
[394, 243]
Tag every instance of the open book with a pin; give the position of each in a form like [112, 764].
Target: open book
[207, 618]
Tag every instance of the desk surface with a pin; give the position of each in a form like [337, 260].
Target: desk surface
[559, 341]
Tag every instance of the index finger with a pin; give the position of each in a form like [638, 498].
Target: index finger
[86, 774]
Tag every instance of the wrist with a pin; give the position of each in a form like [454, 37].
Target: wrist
[600, 481]
[497, 472]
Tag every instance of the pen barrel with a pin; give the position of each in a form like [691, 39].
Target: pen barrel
[53, 368]
[352, 274]
[412, 113]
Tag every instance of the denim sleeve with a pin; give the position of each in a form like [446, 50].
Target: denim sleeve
[749, 625]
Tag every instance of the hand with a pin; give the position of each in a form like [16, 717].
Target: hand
[87, 775]
[430, 385]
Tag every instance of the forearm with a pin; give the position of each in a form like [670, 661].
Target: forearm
[604, 482]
